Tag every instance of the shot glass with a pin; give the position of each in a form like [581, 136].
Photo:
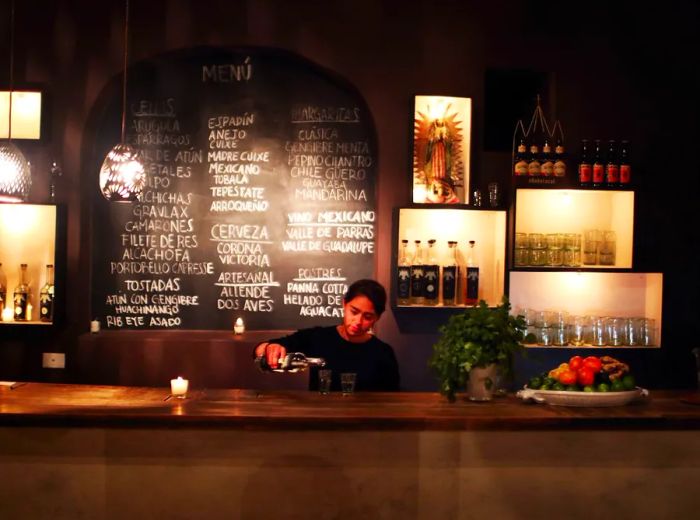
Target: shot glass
[324, 381]
[347, 382]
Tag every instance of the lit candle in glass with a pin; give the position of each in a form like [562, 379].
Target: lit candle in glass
[95, 326]
[7, 314]
[178, 387]
[238, 327]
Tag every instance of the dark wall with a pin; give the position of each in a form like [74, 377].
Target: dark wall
[615, 71]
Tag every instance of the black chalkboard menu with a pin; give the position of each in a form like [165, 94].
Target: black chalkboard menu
[261, 194]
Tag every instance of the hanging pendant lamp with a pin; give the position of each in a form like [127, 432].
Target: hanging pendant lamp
[15, 175]
[122, 176]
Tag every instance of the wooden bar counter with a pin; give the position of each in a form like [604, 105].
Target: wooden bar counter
[73, 451]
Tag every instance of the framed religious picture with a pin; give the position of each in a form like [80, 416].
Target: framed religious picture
[441, 145]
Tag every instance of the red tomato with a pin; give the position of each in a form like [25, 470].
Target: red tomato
[585, 376]
[575, 362]
[593, 363]
[567, 377]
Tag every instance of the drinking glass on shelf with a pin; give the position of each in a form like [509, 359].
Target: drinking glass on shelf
[606, 251]
[537, 241]
[522, 251]
[614, 331]
[591, 241]
[578, 328]
[538, 257]
[597, 331]
[555, 257]
[633, 331]
[555, 241]
[648, 336]
[572, 250]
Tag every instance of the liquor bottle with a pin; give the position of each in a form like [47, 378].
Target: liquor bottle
[534, 167]
[431, 271]
[403, 276]
[520, 160]
[598, 165]
[46, 296]
[291, 363]
[3, 290]
[547, 162]
[559, 159]
[472, 285]
[625, 168]
[21, 295]
[612, 169]
[417, 276]
[585, 168]
[450, 275]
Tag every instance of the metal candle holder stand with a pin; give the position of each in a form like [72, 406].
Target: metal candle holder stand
[538, 118]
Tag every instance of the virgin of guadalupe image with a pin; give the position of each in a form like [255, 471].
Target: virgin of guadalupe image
[437, 158]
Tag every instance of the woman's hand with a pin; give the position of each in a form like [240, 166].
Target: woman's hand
[272, 352]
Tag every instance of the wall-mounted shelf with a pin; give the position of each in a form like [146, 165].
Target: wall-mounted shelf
[487, 227]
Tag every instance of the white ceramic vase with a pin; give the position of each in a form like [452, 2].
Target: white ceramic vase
[482, 383]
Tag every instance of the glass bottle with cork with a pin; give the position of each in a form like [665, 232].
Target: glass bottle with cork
[450, 275]
[403, 276]
[625, 168]
[431, 271]
[417, 276]
[612, 168]
[585, 168]
[471, 296]
[559, 159]
[46, 296]
[598, 165]
[520, 166]
[547, 160]
[21, 296]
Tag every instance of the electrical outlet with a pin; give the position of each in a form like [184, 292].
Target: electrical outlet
[53, 360]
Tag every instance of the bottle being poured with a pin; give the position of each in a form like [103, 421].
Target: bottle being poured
[291, 362]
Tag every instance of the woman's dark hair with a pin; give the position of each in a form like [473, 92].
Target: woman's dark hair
[372, 290]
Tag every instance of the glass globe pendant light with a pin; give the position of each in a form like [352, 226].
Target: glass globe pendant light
[15, 175]
[122, 176]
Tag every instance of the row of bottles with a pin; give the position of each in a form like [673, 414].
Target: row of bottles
[599, 169]
[421, 280]
[20, 306]
[540, 159]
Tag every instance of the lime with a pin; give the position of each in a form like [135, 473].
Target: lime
[550, 381]
[534, 383]
[572, 388]
[588, 388]
[558, 386]
[629, 382]
[617, 386]
[546, 387]
[603, 387]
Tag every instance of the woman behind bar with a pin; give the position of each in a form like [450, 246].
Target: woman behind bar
[348, 347]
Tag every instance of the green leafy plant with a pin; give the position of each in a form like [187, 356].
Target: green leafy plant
[478, 337]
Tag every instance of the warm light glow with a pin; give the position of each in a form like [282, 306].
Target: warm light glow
[20, 219]
[419, 193]
[26, 114]
[178, 387]
[238, 326]
[122, 176]
[7, 314]
[437, 107]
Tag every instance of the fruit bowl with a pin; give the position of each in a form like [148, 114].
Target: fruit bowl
[566, 398]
